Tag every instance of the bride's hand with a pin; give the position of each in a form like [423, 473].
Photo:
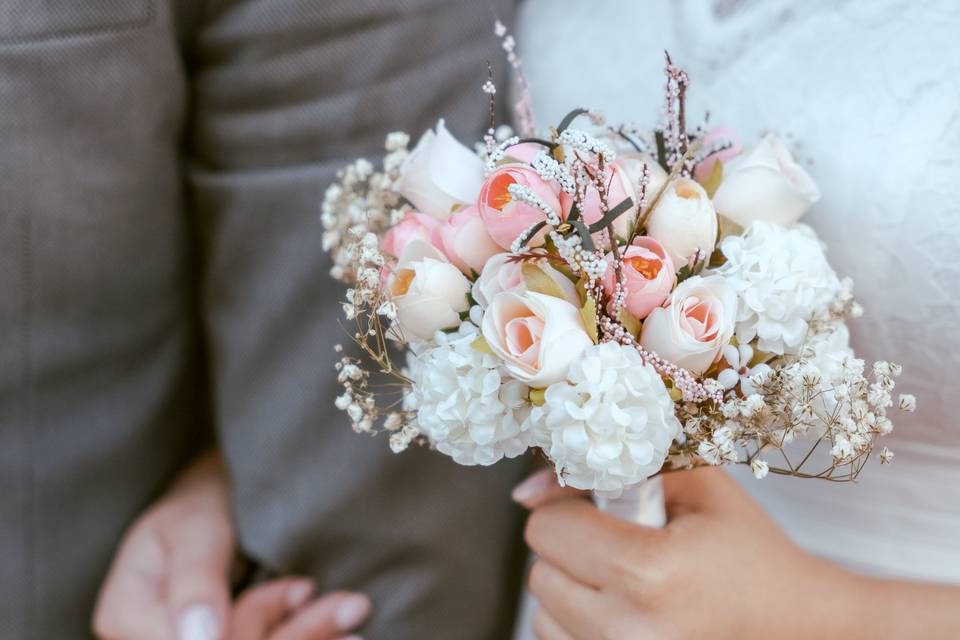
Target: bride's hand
[720, 569]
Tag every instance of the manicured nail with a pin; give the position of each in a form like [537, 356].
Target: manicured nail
[353, 638]
[298, 593]
[351, 611]
[533, 486]
[198, 622]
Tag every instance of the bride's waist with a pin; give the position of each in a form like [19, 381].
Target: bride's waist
[899, 520]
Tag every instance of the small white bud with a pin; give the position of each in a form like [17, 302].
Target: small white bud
[760, 468]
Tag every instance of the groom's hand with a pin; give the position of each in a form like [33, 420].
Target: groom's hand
[169, 580]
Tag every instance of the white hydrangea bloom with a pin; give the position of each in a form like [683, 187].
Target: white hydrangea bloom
[610, 424]
[783, 279]
[467, 406]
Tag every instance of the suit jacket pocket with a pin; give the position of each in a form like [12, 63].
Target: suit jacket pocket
[27, 20]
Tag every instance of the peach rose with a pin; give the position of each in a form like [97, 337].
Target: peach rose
[414, 226]
[501, 274]
[466, 242]
[537, 336]
[505, 218]
[648, 275]
[696, 324]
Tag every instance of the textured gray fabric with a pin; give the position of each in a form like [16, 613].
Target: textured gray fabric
[161, 279]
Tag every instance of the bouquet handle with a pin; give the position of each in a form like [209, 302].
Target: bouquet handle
[643, 504]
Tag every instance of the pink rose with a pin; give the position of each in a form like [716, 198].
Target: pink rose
[506, 218]
[648, 274]
[720, 134]
[466, 241]
[524, 152]
[619, 188]
[414, 226]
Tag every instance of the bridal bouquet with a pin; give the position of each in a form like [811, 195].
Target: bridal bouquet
[627, 301]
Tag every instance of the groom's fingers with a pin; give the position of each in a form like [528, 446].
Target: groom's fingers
[200, 552]
[131, 603]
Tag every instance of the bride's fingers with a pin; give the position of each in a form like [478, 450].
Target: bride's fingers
[587, 544]
[545, 627]
[540, 488]
[576, 607]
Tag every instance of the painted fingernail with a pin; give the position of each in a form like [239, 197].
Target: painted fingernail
[533, 486]
[298, 593]
[351, 611]
[198, 622]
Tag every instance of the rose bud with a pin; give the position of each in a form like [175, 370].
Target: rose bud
[507, 218]
[765, 184]
[429, 292]
[440, 173]
[684, 221]
[466, 242]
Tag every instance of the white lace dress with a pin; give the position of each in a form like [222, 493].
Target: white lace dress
[869, 94]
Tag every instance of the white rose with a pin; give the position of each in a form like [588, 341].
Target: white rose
[429, 292]
[501, 274]
[684, 221]
[537, 336]
[696, 324]
[633, 163]
[765, 184]
[439, 173]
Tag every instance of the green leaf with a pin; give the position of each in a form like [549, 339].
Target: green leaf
[611, 215]
[480, 344]
[589, 314]
[584, 235]
[537, 280]
[727, 227]
[629, 322]
[537, 397]
[532, 232]
[569, 118]
[582, 288]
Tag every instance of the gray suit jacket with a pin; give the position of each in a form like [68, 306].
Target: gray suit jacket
[162, 282]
